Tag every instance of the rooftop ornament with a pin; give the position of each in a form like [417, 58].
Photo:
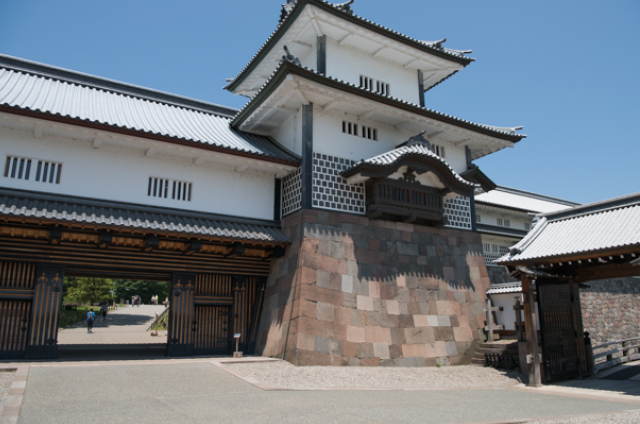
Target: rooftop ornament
[419, 140]
[291, 58]
[345, 7]
[288, 7]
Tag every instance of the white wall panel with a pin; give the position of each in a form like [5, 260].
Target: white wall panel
[122, 174]
[348, 64]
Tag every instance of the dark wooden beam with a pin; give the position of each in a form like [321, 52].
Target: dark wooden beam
[151, 243]
[277, 252]
[606, 271]
[193, 247]
[238, 249]
[55, 235]
[105, 240]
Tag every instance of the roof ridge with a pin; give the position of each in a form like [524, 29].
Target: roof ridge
[114, 86]
[621, 202]
[537, 195]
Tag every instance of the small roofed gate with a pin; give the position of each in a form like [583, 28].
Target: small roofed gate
[208, 309]
[30, 297]
[562, 344]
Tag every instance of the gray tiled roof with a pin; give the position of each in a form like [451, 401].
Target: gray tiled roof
[392, 156]
[30, 86]
[53, 209]
[515, 287]
[523, 200]
[594, 228]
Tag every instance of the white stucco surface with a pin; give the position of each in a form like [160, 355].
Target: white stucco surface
[122, 174]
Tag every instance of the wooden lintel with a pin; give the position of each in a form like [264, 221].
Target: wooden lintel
[55, 235]
[238, 249]
[194, 247]
[151, 243]
[106, 238]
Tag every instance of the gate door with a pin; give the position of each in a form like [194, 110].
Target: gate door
[16, 295]
[14, 319]
[557, 331]
[213, 332]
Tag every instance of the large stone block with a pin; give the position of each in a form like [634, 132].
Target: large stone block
[325, 311]
[365, 303]
[412, 350]
[381, 350]
[419, 335]
[355, 334]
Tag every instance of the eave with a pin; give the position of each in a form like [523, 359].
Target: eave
[144, 134]
[418, 116]
[365, 24]
[475, 175]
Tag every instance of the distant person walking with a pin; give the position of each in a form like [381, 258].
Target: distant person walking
[104, 310]
[90, 318]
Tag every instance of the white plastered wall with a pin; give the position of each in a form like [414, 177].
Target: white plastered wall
[348, 64]
[507, 316]
[289, 133]
[328, 138]
[122, 174]
[517, 221]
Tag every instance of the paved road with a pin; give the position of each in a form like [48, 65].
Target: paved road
[189, 391]
[124, 326]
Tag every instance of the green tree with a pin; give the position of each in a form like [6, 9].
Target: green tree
[124, 289]
[88, 289]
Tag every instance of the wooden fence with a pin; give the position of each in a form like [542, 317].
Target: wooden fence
[610, 354]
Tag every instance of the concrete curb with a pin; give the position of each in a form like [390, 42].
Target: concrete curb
[13, 403]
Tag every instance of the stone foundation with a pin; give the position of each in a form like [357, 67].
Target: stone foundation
[354, 291]
[611, 309]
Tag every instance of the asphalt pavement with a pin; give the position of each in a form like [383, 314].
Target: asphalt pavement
[201, 391]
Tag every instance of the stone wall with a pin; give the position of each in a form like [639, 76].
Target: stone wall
[354, 291]
[499, 275]
[611, 309]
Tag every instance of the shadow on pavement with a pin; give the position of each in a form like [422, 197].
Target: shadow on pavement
[111, 352]
[616, 380]
[122, 320]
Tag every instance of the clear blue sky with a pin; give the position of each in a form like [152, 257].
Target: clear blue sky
[567, 70]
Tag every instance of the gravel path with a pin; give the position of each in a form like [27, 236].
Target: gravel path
[282, 374]
[6, 378]
[621, 418]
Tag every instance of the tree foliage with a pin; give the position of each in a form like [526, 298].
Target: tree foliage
[124, 289]
[87, 289]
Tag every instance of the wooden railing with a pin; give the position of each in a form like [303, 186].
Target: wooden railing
[610, 354]
[402, 199]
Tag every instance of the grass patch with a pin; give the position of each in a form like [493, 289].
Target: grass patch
[68, 318]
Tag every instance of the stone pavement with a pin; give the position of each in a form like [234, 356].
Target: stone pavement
[123, 326]
[199, 390]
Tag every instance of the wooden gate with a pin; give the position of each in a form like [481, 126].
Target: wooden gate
[30, 297]
[557, 330]
[208, 309]
[213, 332]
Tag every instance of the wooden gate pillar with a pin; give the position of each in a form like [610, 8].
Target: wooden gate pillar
[532, 331]
[47, 295]
[239, 315]
[180, 340]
